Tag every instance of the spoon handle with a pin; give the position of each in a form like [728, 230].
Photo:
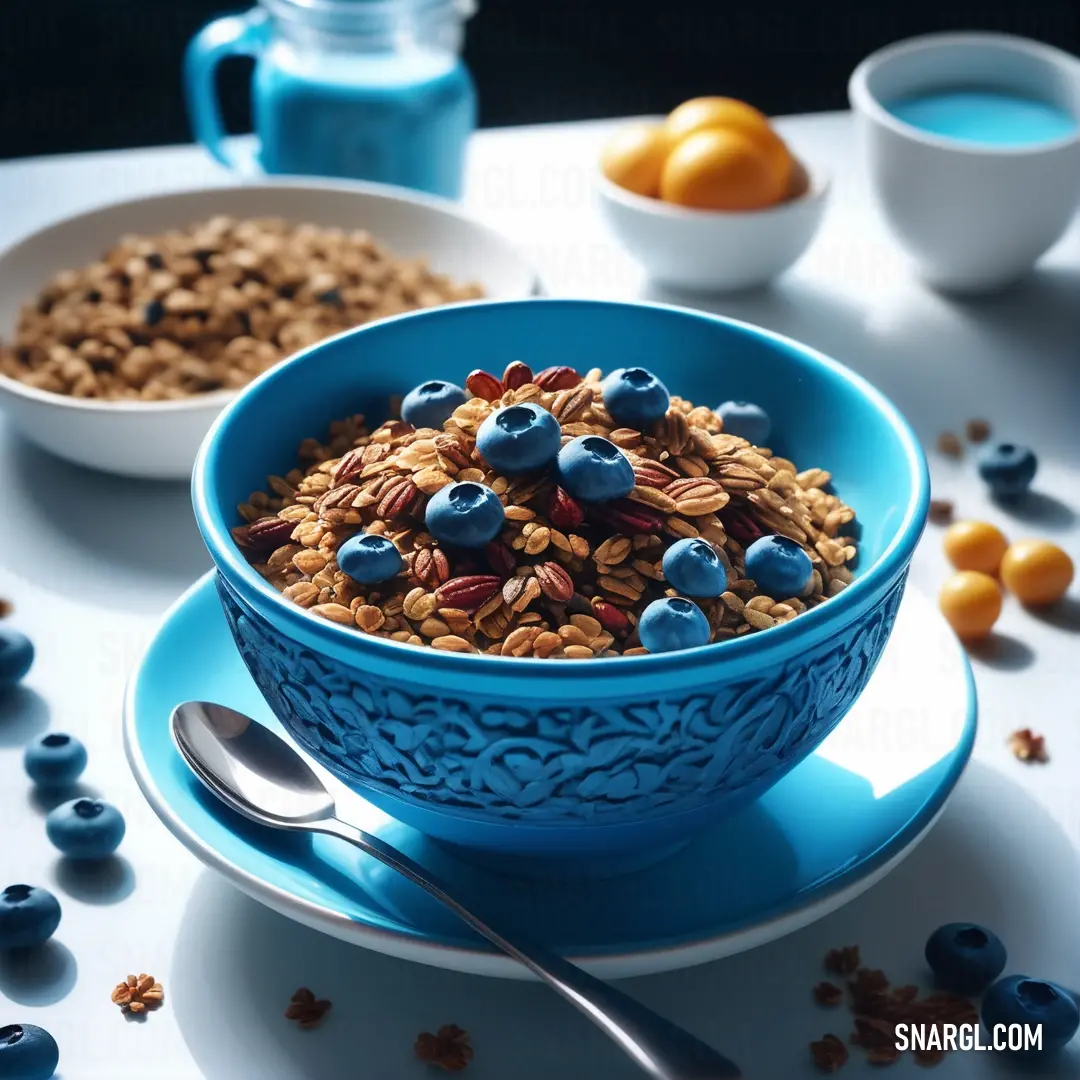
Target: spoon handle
[659, 1047]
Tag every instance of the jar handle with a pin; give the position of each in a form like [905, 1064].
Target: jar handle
[234, 35]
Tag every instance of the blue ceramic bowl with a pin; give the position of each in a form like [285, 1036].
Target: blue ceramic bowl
[517, 757]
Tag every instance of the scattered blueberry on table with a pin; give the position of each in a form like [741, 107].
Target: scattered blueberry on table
[27, 1052]
[965, 957]
[746, 420]
[85, 828]
[1008, 469]
[673, 623]
[466, 514]
[16, 657]
[634, 397]
[369, 558]
[694, 568]
[519, 438]
[594, 469]
[432, 403]
[1018, 999]
[778, 566]
[55, 760]
[29, 916]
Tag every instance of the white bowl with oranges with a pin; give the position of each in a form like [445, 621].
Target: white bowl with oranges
[710, 198]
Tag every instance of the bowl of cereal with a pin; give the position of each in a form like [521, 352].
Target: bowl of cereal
[125, 329]
[517, 612]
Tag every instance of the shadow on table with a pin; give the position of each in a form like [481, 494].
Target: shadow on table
[97, 881]
[1064, 615]
[1001, 651]
[24, 713]
[996, 857]
[94, 531]
[40, 976]
[1025, 339]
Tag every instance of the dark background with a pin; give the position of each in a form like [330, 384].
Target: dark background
[96, 74]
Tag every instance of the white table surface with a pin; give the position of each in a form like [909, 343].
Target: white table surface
[92, 561]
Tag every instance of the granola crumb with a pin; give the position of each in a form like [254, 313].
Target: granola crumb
[828, 994]
[447, 1049]
[829, 1053]
[306, 1009]
[843, 961]
[6, 608]
[138, 994]
[1029, 747]
[941, 511]
[977, 431]
[950, 445]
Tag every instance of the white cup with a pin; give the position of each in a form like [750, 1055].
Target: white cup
[973, 217]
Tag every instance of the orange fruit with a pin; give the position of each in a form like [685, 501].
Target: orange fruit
[705, 113]
[1036, 571]
[975, 545]
[634, 157]
[719, 169]
[799, 184]
[971, 602]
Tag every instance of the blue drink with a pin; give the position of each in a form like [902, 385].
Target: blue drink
[986, 117]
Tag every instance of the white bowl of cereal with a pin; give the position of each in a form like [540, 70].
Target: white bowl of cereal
[124, 330]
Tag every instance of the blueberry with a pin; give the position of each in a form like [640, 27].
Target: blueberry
[595, 470]
[519, 438]
[55, 760]
[1017, 999]
[28, 916]
[16, 656]
[746, 420]
[634, 397]
[964, 957]
[369, 559]
[85, 828]
[694, 567]
[27, 1052]
[431, 404]
[1008, 469]
[466, 514]
[778, 566]
[673, 623]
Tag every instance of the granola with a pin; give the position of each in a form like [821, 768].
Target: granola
[877, 1008]
[447, 1049]
[138, 993]
[306, 1009]
[209, 307]
[562, 579]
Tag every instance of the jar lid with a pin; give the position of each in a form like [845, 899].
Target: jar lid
[365, 16]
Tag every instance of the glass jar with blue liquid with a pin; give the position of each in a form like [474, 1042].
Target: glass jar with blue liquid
[362, 89]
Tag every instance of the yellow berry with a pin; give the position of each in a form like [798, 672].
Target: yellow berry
[717, 169]
[975, 545]
[971, 602]
[1036, 571]
[634, 158]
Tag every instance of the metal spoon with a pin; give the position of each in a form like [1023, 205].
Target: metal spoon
[260, 775]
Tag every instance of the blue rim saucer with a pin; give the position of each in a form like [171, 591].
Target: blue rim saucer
[827, 832]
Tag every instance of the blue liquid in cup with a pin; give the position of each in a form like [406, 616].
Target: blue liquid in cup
[986, 117]
[396, 118]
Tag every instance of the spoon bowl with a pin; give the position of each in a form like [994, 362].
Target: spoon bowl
[246, 765]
